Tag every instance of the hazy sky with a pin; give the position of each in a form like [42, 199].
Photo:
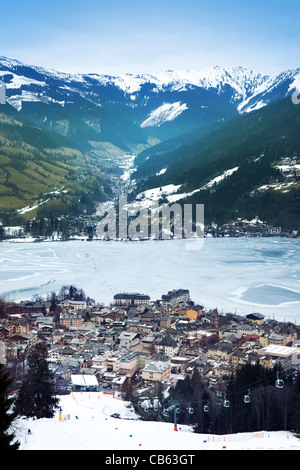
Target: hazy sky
[138, 36]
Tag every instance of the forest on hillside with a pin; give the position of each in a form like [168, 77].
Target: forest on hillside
[255, 399]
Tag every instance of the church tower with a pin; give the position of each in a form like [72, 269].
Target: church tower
[214, 318]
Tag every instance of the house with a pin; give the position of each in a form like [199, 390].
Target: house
[156, 371]
[264, 340]
[193, 313]
[221, 370]
[166, 345]
[255, 317]
[112, 363]
[108, 378]
[248, 329]
[129, 362]
[62, 371]
[148, 343]
[165, 322]
[179, 363]
[71, 305]
[274, 230]
[131, 299]
[69, 320]
[35, 307]
[175, 297]
[238, 357]
[13, 309]
[221, 350]
[66, 351]
[53, 355]
[22, 338]
[17, 326]
[206, 337]
[265, 360]
[275, 338]
[42, 321]
[99, 363]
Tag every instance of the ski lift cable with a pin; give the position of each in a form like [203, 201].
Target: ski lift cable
[244, 389]
[250, 386]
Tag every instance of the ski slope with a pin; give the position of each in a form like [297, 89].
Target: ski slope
[85, 423]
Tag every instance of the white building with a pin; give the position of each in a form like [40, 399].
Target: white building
[156, 371]
[131, 299]
[175, 297]
[2, 92]
[84, 383]
[74, 305]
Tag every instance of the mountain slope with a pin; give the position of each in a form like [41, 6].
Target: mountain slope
[37, 173]
[248, 167]
[67, 105]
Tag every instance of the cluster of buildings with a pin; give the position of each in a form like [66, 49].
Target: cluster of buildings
[96, 347]
[244, 228]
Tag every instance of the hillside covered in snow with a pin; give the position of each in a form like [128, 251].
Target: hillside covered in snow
[167, 103]
[86, 423]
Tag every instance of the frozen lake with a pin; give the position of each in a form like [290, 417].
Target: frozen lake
[239, 275]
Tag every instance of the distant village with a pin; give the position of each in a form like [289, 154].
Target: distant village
[95, 347]
[255, 228]
[85, 227]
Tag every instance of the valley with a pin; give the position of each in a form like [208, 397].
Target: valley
[223, 137]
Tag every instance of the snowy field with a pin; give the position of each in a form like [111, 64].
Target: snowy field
[86, 424]
[238, 275]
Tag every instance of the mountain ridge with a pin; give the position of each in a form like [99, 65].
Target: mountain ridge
[211, 76]
[247, 86]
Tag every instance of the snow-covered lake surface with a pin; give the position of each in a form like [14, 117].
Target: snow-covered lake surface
[86, 424]
[239, 275]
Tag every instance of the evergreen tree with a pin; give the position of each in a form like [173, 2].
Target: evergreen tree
[37, 393]
[269, 407]
[129, 390]
[7, 416]
[192, 396]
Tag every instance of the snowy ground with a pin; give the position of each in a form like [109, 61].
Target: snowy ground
[86, 424]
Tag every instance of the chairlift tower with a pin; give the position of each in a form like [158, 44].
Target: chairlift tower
[176, 406]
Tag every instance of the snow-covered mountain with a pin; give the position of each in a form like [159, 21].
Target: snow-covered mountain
[161, 105]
